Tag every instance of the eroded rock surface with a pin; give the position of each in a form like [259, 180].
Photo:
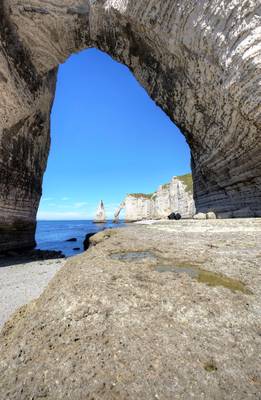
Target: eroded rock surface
[199, 61]
[130, 318]
[176, 196]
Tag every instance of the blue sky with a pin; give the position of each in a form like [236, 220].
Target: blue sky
[108, 139]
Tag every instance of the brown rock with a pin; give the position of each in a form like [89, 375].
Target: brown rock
[131, 319]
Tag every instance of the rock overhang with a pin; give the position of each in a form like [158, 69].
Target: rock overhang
[200, 63]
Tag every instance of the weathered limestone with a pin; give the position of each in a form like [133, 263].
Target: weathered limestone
[100, 215]
[176, 196]
[200, 216]
[113, 327]
[199, 61]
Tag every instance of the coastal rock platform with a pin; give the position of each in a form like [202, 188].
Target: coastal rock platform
[169, 310]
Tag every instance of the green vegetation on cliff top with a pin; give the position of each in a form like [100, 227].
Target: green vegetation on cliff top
[186, 179]
[165, 186]
[141, 195]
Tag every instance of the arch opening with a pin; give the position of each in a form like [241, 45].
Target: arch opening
[108, 139]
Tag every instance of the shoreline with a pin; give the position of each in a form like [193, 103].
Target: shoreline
[24, 277]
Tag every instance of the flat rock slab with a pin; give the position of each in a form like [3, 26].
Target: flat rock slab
[114, 324]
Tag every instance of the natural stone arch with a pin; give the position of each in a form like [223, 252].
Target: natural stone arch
[199, 61]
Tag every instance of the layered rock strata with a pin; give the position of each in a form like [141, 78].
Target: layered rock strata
[176, 196]
[199, 61]
[132, 319]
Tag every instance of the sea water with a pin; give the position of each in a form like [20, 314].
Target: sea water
[53, 235]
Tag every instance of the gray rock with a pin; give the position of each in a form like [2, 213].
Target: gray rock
[144, 327]
[200, 216]
[211, 215]
[199, 61]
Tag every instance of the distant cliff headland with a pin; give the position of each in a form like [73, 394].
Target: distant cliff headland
[175, 196]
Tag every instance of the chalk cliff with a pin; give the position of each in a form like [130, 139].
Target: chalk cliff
[176, 196]
[200, 61]
[100, 215]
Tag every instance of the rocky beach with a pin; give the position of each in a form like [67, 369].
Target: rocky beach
[164, 310]
[23, 278]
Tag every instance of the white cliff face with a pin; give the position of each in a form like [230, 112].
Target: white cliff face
[100, 215]
[137, 207]
[175, 197]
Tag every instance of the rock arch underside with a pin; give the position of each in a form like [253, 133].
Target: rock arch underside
[198, 60]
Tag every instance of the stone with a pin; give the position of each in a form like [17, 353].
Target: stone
[176, 195]
[200, 216]
[76, 248]
[128, 328]
[172, 216]
[71, 240]
[211, 215]
[100, 216]
[86, 243]
[178, 217]
[199, 62]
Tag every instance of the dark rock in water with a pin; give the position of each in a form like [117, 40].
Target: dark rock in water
[76, 248]
[86, 243]
[71, 240]
[178, 217]
[44, 254]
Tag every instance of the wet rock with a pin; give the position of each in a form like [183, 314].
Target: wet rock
[76, 248]
[86, 243]
[71, 240]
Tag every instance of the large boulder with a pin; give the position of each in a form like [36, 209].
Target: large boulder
[211, 215]
[200, 216]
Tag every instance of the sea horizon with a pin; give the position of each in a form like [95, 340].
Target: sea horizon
[54, 235]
